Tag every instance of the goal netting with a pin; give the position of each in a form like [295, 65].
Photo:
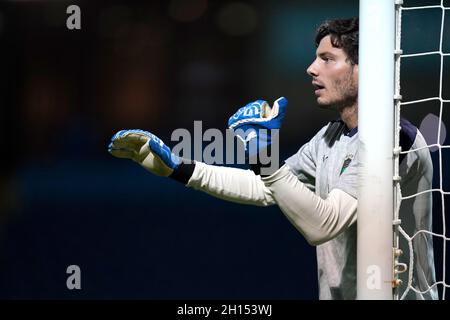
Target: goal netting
[422, 95]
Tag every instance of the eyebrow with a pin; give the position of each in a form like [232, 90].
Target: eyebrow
[325, 53]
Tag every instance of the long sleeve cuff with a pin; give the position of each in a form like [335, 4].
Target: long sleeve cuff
[184, 172]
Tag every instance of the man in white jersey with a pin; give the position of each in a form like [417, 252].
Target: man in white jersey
[317, 187]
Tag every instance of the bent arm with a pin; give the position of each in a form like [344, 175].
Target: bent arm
[317, 219]
[231, 184]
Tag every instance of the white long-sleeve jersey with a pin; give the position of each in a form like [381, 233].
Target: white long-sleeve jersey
[317, 191]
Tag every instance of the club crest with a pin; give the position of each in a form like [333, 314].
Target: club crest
[348, 159]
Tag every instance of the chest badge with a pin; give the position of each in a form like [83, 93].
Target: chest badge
[348, 159]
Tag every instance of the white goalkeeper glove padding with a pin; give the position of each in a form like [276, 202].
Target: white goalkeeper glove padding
[146, 149]
[259, 113]
[255, 116]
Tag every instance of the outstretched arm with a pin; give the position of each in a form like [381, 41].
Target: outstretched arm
[235, 185]
[231, 184]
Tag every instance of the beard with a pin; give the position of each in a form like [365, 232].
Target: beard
[345, 91]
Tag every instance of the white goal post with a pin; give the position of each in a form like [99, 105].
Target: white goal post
[376, 187]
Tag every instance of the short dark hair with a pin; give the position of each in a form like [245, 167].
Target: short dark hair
[344, 34]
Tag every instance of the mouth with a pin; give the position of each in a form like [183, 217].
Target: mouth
[318, 87]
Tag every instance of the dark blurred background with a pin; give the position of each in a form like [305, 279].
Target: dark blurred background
[158, 66]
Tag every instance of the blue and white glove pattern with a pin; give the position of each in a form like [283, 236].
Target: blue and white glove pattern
[255, 121]
[146, 149]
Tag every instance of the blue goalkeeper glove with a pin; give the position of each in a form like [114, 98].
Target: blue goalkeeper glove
[146, 149]
[253, 124]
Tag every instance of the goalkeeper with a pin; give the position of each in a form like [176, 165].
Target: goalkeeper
[316, 188]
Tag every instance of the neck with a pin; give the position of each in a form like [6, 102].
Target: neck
[350, 116]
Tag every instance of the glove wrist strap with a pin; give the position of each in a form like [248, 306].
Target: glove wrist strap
[184, 171]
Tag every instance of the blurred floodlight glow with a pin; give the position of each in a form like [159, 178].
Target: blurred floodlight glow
[429, 128]
[237, 19]
[187, 10]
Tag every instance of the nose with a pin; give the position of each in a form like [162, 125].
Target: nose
[312, 70]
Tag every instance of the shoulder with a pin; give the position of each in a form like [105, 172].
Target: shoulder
[418, 159]
[408, 134]
[410, 137]
[327, 135]
[333, 132]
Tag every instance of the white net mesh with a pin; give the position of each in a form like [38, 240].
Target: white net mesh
[423, 97]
